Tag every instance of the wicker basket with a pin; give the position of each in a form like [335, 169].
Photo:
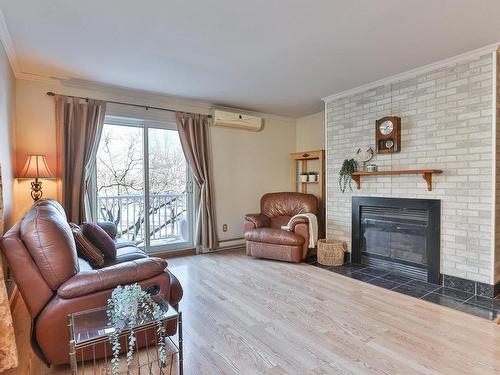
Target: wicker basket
[331, 252]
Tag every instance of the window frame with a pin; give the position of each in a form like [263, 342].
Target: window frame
[145, 124]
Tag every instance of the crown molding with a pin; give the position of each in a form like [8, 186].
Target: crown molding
[414, 72]
[130, 93]
[6, 40]
[37, 78]
[145, 97]
[104, 91]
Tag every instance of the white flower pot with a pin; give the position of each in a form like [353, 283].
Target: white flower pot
[304, 178]
[312, 178]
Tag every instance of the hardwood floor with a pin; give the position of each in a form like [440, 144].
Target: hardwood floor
[251, 316]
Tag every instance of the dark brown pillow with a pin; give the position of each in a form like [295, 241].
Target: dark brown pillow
[100, 239]
[86, 249]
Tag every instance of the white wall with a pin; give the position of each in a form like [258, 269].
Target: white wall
[310, 134]
[7, 158]
[246, 164]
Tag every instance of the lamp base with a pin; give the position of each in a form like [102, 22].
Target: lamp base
[36, 190]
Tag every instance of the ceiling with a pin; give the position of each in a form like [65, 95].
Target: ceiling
[274, 56]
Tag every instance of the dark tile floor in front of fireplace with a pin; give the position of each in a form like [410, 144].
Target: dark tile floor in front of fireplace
[483, 307]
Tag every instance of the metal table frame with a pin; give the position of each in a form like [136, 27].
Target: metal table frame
[78, 344]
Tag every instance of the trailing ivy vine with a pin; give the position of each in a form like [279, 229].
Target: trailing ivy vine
[127, 307]
[345, 174]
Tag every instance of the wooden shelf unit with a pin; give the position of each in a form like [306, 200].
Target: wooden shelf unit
[304, 159]
[426, 175]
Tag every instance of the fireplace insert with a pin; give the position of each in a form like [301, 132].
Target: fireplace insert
[398, 234]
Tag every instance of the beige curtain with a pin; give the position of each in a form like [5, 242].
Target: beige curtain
[194, 135]
[79, 127]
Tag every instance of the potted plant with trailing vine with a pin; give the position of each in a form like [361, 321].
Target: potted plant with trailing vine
[127, 307]
[349, 166]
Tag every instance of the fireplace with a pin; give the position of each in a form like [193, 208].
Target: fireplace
[398, 234]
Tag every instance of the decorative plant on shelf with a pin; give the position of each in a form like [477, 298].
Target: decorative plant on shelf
[127, 307]
[304, 176]
[345, 175]
[312, 177]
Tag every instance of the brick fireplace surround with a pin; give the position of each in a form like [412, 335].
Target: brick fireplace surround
[449, 120]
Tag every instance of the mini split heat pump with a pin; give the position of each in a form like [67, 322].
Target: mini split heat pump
[236, 120]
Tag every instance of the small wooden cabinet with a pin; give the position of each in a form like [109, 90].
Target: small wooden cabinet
[305, 162]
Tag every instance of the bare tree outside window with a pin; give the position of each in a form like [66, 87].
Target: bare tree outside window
[121, 187]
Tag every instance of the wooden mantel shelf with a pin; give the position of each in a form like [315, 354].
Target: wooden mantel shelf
[426, 175]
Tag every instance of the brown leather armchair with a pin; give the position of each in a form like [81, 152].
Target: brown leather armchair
[263, 234]
[54, 282]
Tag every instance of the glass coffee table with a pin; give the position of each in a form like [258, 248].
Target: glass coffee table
[90, 350]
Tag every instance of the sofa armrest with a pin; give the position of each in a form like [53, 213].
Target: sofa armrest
[295, 223]
[258, 220]
[87, 282]
[109, 227]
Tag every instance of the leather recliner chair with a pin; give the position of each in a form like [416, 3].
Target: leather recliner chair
[263, 234]
[54, 281]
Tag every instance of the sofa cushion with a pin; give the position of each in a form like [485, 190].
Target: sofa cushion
[288, 204]
[124, 254]
[119, 244]
[88, 282]
[275, 236]
[100, 239]
[48, 238]
[279, 221]
[83, 265]
[109, 227]
[86, 249]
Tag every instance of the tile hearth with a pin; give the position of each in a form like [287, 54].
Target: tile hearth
[488, 308]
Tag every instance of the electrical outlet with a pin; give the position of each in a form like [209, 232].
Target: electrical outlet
[224, 227]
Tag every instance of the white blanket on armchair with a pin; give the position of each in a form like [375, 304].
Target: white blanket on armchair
[313, 227]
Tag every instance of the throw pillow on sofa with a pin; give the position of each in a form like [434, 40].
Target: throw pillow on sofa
[100, 239]
[86, 249]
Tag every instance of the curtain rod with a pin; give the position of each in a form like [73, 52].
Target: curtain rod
[146, 107]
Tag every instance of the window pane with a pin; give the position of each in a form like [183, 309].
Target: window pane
[120, 181]
[168, 174]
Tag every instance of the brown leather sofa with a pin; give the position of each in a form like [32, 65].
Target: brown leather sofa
[54, 281]
[263, 234]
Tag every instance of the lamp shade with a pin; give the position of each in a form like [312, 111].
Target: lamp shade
[36, 167]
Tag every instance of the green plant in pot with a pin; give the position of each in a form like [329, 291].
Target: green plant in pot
[127, 307]
[349, 166]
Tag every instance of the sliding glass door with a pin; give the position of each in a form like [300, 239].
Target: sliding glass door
[168, 189]
[143, 184]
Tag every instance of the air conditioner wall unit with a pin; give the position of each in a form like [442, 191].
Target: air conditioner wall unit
[236, 120]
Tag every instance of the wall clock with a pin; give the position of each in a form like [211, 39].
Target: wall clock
[364, 153]
[388, 135]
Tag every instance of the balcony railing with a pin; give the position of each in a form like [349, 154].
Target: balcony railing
[167, 217]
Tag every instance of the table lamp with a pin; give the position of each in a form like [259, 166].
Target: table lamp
[36, 167]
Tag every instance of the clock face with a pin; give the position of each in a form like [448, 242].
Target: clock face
[389, 143]
[364, 153]
[386, 127]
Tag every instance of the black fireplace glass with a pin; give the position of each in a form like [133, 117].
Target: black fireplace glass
[395, 233]
[398, 234]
